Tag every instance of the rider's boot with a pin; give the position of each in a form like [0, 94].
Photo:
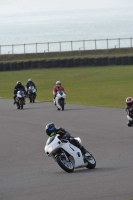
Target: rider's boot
[54, 101]
[77, 144]
[85, 152]
[14, 99]
[24, 101]
[130, 123]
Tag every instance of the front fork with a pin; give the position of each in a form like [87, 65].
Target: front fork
[62, 153]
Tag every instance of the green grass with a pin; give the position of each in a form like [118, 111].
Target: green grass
[94, 86]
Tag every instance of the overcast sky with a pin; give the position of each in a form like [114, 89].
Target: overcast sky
[13, 6]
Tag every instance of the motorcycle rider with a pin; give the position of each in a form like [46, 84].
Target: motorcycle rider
[30, 83]
[57, 87]
[51, 130]
[129, 110]
[18, 87]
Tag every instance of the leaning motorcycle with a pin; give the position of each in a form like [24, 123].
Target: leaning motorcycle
[32, 94]
[20, 99]
[68, 156]
[60, 100]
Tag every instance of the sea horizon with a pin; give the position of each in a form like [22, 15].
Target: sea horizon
[65, 25]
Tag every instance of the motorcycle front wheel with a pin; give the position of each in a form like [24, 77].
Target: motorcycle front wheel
[62, 103]
[64, 164]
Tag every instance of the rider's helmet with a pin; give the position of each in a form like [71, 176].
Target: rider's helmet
[58, 83]
[29, 80]
[129, 101]
[19, 83]
[50, 129]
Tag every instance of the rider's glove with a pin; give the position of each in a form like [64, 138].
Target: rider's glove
[60, 131]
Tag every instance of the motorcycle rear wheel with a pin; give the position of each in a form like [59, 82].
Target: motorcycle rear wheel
[64, 164]
[21, 104]
[91, 162]
[30, 98]
[34, 98]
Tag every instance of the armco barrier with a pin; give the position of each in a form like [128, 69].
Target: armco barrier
[69, 63]
[97, 62]
[76, 62]
[111, 61]
[84, 61]
[104, 61]
[34, 64]
[6, 66]
[13, 66]
[118, 60]
[63, 63]
[1, 66]
[19, 66]
[56, 63]
[130, 60]
[27, 65]
[41, 64]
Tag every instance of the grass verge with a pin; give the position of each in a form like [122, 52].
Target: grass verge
[66, 55]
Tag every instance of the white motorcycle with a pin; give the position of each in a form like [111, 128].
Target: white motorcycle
[68, 156]
[60, 99]
[32, 94]
[20, 99]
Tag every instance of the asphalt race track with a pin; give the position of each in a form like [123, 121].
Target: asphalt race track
[26, 173]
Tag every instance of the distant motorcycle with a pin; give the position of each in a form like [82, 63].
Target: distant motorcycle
[67, 155]
[60, 100]
[32, 94]
[20, 99]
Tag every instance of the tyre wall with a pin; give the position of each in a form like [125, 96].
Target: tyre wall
[72, 62]
[19, 65]
[34, 64]
[41, 64]
[13, 66]
[6, 66]
[76, 62]
[1, 66]
[27, 65]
